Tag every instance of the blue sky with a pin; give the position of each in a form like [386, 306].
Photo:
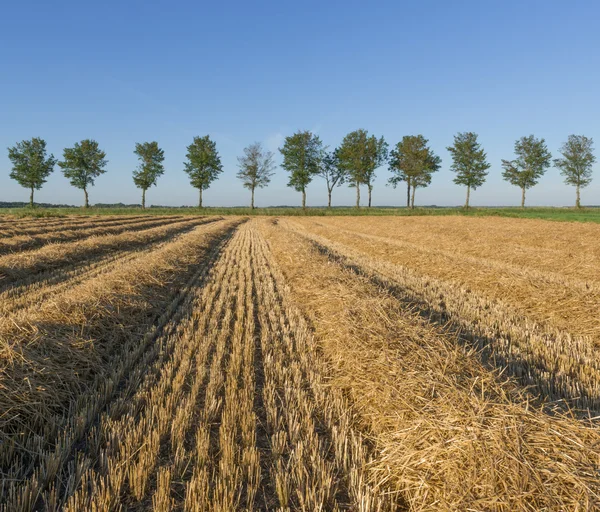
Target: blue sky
[133, 71]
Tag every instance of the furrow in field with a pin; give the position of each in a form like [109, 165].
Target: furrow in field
[319, 459]
[75, 351]
[25, 269]
[179, 406]
[450, 434]
[16, 244]
[231, 412]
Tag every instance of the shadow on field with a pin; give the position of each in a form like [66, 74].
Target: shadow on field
[80, 351]
[522, 371]
[54, 269]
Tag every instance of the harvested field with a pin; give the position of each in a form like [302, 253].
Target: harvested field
[207, 363]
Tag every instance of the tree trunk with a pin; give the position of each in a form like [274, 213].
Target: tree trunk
[143, 199]
[329, 198]
[412, 201]
[522, 197]
[370, 188]
[87, 203]
[357, 194]
[252, 200]
[578, 201]
[200, 197]
[31, 198]
[468, 196]
[304, 199]
[408, 192]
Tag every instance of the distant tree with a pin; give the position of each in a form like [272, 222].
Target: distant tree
[31, 166]
[414, 162]
[576, 164]
[359, 156]
[150, 168]
[256, 168]
[203, 165]
[533, 159]
[330, 170]
[401, 162]
[469, 162]
[82, 164]
[302, 154]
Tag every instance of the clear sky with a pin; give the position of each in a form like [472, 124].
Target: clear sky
[131, 71]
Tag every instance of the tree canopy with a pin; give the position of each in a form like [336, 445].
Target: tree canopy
[533, 159]
[256, 168]
[413, 161]
[302, 153]
[359, 156]
[31, 165]
[331, 172]
[576, 164]
[150, 167]
[82, 164]
[469, 162]
[203, 164]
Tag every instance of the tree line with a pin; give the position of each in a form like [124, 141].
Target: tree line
[354, 162]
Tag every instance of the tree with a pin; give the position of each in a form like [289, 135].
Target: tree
[256, 168]
[413, 161]
[576, 164]
[400, 163]
[83, 163]
[31, 166]
[150, 168]
[359, 156]
[330, 170]
[302, 154]
[469, 162]
[203, 165]
[533, 159]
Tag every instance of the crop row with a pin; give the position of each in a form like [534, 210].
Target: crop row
[451, 432]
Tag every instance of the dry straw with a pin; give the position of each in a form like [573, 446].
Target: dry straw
[451, 434]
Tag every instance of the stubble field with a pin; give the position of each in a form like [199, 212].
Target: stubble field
[299, 363]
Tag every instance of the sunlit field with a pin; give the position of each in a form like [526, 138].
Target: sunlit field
[220, 361]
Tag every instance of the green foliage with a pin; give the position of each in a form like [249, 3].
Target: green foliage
[554, 214]
[330, 170]
[302, 154]
[533, 159]
[31, 166]
[576, 164]
[151, 164]
[256, 167]
[82, 164]
[204, 163]
[360, 155]
[413, 161]
[469, 160]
